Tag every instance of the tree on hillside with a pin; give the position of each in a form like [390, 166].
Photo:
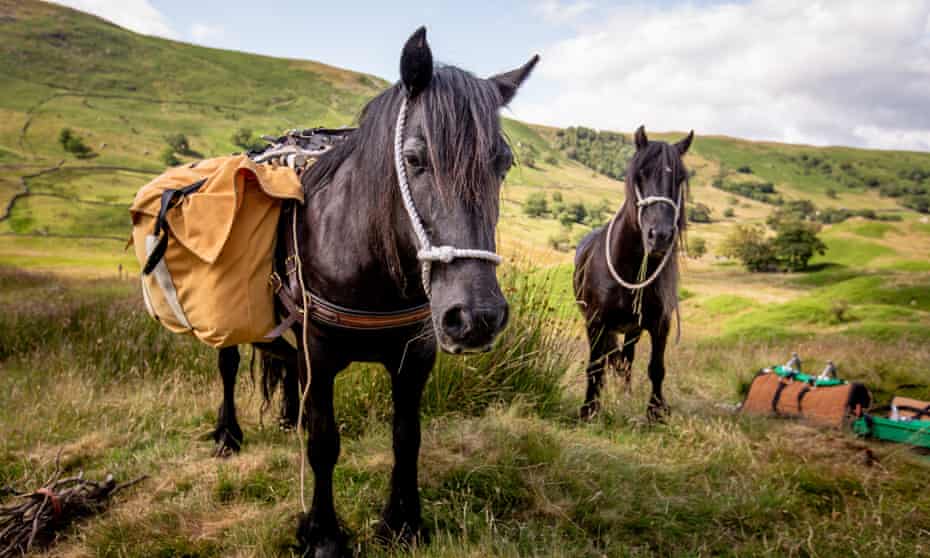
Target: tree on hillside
[605, 152]
[169, 158]
[243, 138]
[748, 244]
[699, 213]
[794, 210]
[178, 143]
[536, 205]
[697, 247]
[573, 213]
[598, 213]
[796, 243]
[74, 144]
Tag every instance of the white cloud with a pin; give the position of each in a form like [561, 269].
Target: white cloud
[557, 11]
[136, 15]
[851, 72]
[203, 32]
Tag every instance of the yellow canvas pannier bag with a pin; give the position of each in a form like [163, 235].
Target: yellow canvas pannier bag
[205, 234]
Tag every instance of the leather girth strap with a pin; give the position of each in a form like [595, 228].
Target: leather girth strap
[287, 290]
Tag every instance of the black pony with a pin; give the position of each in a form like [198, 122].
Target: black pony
[358, 248]
[639, 248]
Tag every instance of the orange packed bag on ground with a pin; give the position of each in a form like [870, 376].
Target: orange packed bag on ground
[205, 234]
[827, 402]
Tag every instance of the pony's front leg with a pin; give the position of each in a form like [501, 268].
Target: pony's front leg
[601, 343]
[318, 533]
[621, 359]
[401, 519]
[657, 409]
[228, 434]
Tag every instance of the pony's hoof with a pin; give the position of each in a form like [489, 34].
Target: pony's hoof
[315, 541]
[227, 443]
[589, 410]
[657, 413]
[406, 535]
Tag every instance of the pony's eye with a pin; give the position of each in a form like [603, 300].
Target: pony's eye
[414, 161]
[503, 161]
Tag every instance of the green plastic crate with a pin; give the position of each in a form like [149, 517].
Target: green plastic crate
[913, 432]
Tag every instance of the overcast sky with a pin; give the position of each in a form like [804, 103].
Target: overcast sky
[844, 72]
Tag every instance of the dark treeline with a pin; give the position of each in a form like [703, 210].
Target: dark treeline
[606, 152]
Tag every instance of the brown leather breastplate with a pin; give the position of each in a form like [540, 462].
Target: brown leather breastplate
[288, 291]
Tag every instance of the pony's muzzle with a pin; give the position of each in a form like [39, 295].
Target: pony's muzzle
[473, 328]
[660, 239]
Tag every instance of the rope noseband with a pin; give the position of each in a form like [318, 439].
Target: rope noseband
[427, 253]
[641, 204]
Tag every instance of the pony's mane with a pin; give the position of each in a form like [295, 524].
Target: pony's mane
[462, 133]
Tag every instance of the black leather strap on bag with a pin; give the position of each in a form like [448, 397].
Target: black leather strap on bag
[801, 394]
[169, 199]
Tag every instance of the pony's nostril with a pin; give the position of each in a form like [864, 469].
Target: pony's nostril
[455, 321]
[652, 234]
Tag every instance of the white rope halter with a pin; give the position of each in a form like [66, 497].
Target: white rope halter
[427, 253]
[642, 203]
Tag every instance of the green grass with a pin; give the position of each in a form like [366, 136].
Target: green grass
[512, 474]
[851, 251]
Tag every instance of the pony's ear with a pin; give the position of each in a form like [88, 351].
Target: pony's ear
[416, 63]
[684, 144]
[508, 82]
[640, 138]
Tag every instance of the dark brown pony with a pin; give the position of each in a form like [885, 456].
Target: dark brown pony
[358, 249]
[647, 231]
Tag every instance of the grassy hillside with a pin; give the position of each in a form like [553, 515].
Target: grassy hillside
[506, 468]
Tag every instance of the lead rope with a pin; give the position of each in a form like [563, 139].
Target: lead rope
[306, 351]
[639, 287]
[427, 253]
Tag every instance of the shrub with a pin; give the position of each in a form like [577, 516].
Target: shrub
[760, 191]
[598, 213]
[574, 213]
[560, 241]
[243, 138]
[831, 193]
[795, 210]
[747, 243]
[918, 202]
[536, 205]
[699, 213]
[552, 160]
[178, 143]
[745, 169]
[796, 243]
[728, 212]
[168, 157]
[557, 196]
[73, 144]
[697, 247]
